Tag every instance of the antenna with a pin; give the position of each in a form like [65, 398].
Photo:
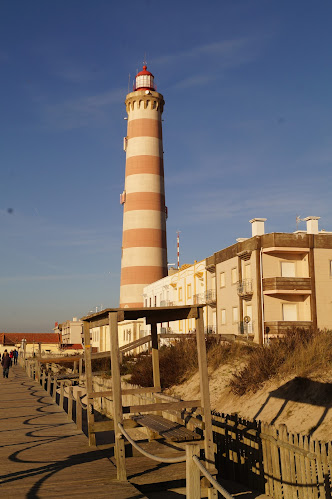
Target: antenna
[178, 246]
[298, 220]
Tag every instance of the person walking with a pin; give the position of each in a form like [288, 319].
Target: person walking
[6, 361]
[15, 356]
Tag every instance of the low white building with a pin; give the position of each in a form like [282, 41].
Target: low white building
[190, 285]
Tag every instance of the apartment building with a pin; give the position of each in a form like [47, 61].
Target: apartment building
[271, 282]
[184, 286]
[71, 331]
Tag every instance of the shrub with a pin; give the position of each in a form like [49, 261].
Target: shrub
[177, 362]
[298, 352]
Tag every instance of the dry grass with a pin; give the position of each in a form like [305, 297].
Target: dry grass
[300, 353]
[177, 363]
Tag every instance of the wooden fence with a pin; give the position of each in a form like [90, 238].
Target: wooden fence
[272, 460]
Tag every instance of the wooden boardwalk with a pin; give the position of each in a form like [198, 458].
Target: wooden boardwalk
[43, 455]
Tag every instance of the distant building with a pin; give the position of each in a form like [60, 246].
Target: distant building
[271, 282]
[186, 286]
[47, 342]
[71, 332]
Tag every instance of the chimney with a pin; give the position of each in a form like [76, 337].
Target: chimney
[312, 224]
[257, 226]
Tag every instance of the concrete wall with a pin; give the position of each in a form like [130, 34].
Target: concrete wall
[323, 277]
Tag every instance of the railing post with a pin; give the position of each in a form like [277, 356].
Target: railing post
[88, 383]
[70, 402]
[79, 410]
[193, 488]
[61, 394]
[80, 369]
[75, 367]
[55, 385]
[43, 379]
[49, 383]
[117, 398]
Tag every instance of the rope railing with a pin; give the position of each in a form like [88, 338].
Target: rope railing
[160, 459]
[212, 480]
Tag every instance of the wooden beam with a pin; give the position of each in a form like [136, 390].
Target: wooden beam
[88, 376]
[166, 406]
[155, 357]
[102, 426]
[117, 399]
[59, 360]
[205, 394]
[126, 391]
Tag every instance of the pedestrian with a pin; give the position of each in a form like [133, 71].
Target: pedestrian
[15, 356]
[11, 355]
[5, 364]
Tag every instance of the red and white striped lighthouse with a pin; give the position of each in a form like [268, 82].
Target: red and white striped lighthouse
[144, 254]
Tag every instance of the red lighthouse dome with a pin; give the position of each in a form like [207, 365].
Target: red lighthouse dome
[144, 80]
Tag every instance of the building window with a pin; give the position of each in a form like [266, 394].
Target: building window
[289, 312]
[189, 291]
[235, 315]
[223, 316]
[247, 271]
[180, 294]
[222, 279]
[287, 269]
[234, 275]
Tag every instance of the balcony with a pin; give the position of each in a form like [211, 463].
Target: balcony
[246, 328]
[287, 285]
[206, 298]
[244, 289]
[166, 303]
[278, 328]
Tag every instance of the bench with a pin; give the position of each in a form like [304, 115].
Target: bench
[165, 429]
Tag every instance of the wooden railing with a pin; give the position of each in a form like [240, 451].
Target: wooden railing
[266, 458]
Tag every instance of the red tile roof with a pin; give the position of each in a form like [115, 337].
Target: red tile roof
[13, 338]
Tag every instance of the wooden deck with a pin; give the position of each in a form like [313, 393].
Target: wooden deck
[43, 455]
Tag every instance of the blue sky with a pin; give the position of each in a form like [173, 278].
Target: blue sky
[247, 133]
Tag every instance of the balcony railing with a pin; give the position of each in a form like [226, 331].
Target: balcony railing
[246, 328]
[166, 303]
[288, 284]
[208, 297]
[244, 288]
[210, 329]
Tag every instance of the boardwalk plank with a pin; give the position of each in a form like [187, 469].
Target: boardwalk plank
[43, 455]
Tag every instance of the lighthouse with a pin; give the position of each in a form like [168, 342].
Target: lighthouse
[144, 253]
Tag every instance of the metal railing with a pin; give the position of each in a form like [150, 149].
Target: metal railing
[166, 303]
[244, 287]
[209, 296]
[246, 327]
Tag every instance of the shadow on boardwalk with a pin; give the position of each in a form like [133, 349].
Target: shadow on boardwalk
[43, 455]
